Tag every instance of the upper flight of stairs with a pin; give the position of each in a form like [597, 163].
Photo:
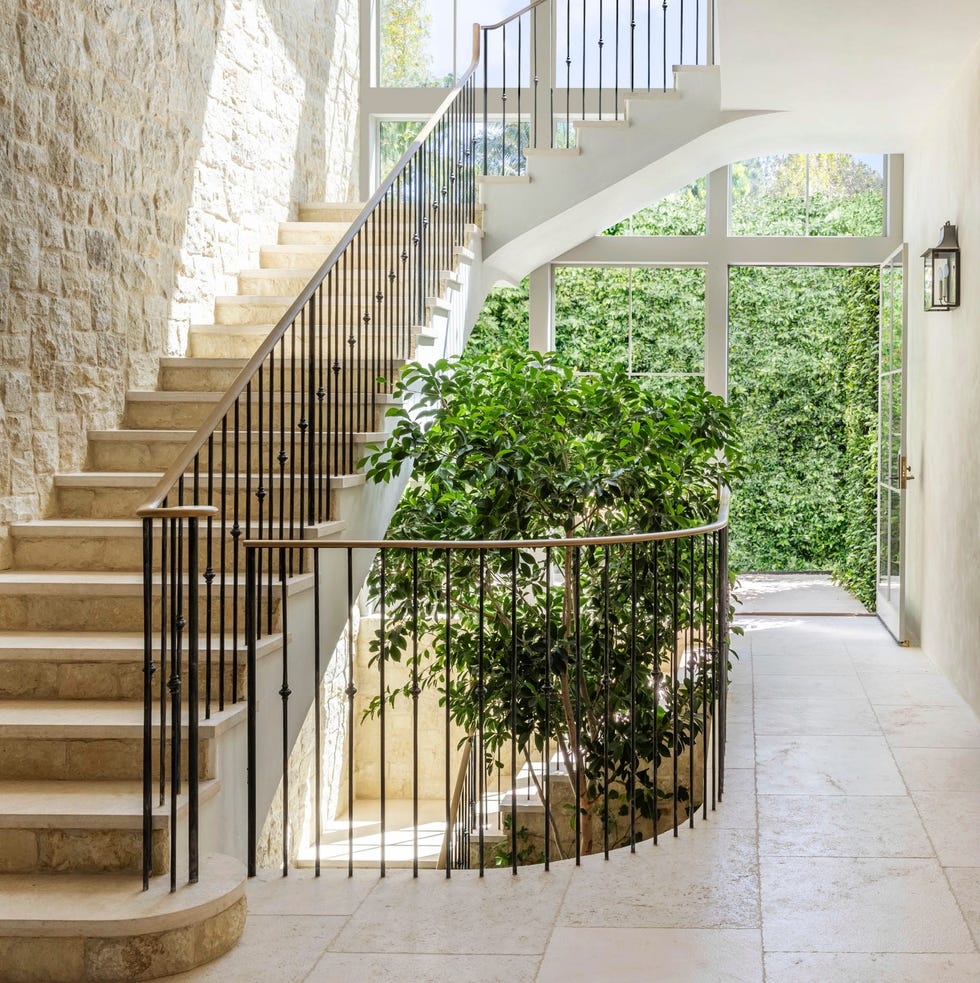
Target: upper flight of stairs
[71, 668]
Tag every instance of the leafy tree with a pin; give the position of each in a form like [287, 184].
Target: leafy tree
[405, 27]
[515, 446]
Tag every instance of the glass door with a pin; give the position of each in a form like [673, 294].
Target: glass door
[893, 468]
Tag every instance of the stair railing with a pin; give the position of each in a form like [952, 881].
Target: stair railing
[557, 63]
[260, 466]
[608, 654]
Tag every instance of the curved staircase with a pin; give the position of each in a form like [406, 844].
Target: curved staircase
[71, 673]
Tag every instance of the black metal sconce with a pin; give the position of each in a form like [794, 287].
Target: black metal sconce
[942, 272]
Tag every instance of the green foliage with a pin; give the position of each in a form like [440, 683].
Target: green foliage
[679, 214]
[503, 323]
[856, 569]
[515, 446]
[405, 29]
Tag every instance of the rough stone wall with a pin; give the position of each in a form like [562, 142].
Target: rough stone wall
[146, 152]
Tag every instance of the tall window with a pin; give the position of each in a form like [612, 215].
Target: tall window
[809, 195]
[649, 321]
[679, 214]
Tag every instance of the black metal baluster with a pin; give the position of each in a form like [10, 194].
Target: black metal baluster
[236, 534]
[602, 43]
[480, 701]
[448, 708]
[703, 674]
[486, 100]
[577, 738]
[382, 639]
[714, 670]
[723, 661]
[260, 498]
[697, 32]
[223, 561]
[606, 706]
[164, 648]
[271, 477]
[415, 713]
[665, 44]
[351, 692]
[657, 678]
[520, 169]
[584, 7]
[548, 691]
[633, 754]
[513, 708]
[632, 45]
[681, 59]
[535, 76]
[148, 669]
[209, 580]
[193, 699]
[673, 689]
[173, 685]
[568, 73]
[690, 674]
[284, 693]
[252, 706]
[317, 725]
[503, 101]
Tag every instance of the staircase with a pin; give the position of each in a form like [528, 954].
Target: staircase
[71, 672]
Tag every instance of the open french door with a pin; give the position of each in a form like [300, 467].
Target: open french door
[893, 467]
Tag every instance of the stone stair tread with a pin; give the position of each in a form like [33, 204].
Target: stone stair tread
[186, 435]
[150, 479]
[115, 905]
[89, 646]
[108, 582]
[105, 528]
[97, 719]
[83, 804]
[194, 396]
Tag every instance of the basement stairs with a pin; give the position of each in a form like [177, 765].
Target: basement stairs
[71, 670]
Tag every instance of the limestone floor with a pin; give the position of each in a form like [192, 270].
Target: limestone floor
[847, 849]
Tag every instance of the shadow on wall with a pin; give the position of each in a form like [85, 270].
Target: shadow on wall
[145, 152]
[282, 94]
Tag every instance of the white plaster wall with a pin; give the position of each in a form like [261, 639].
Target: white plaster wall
[942, 182]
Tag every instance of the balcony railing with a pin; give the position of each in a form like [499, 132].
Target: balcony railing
[581, 686]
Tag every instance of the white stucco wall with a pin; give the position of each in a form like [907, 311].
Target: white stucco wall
[942, 182]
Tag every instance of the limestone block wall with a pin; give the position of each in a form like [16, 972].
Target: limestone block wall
[146, 151]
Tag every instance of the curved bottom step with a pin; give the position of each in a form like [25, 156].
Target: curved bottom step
[100, 927]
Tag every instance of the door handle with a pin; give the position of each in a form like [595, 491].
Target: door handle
[904, 472]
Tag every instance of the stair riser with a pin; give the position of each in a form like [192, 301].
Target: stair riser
[158, 455]
[305, 258]
[79, 851]
[298, 236]
[81, 759]
[96, 502]
[244, 343]
[24, 680]
[286, 284]
[53, 612]
[329, 213]
[191, 379]
[125, 553]
[186, 415]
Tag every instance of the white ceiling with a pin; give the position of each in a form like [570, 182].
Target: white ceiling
[858, 75]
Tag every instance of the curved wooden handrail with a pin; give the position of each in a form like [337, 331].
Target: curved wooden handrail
[721, 522]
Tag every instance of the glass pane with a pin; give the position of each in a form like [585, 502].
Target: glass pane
[887, 285]
[896, 428]
[768, 196]
[668, 321]
[884, 430]
[846, 194]
[416, 43]
[898, 304]
[884, 561]
[679, 214]
[894, 549]
[592, 306]
[394, 138]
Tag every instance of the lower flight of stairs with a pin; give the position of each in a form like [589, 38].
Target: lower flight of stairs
[71, 675]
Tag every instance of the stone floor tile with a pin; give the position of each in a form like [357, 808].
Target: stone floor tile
[821, 904]
[333, 893]
[928, 726]
[737, 809]
[826, 766]
[512, 914]
[802, 687]
[952, 820]
[630, 955]
[887, 657]
[273, 949]
[965, 882]
[862, 967]
[840, 826]
[791, 663]
[939, 769]
[402, 967]
[816, 718]
[704, 878]
[910, 689]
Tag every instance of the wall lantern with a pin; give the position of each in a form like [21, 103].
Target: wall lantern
[942, 274]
